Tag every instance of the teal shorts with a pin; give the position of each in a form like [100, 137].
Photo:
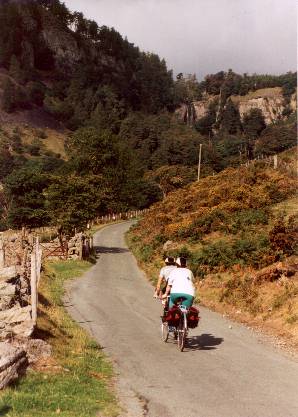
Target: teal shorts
[187, 302]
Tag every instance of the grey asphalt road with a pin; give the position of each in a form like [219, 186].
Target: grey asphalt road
[224, 372]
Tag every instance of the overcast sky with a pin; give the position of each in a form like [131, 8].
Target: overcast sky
[205, 36]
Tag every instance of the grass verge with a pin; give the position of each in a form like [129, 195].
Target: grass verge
[76, 380]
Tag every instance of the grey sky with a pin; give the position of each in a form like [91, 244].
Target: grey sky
[205, 36]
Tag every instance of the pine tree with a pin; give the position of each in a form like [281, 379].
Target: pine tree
[231, 119]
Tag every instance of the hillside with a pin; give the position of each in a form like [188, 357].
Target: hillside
[88, 120]
[238, 230]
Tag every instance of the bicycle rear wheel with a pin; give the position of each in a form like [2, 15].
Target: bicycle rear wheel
[181, 335]
[164, 331]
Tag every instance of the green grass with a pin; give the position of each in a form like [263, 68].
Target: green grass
[77, 382]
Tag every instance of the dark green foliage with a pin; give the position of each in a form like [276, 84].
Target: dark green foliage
[249, 250]
[16, 143]
[169, 178]
[146, 253]
[34, 147]
[140, 81]
[6, 162]
[230, 83]
[36, 92]
[187, 89]
[231, 150]
[276, 138]
[230, 119]
[243, 219]
[75, 200]
[92, 152]
[253, 123]
[205, 124]
[160, 140]
[25, 188]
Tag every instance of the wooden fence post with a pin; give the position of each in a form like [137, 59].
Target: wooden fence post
[33, 280]
[275, 161]
[38, 259]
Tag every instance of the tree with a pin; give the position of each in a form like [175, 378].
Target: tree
[253, 123]
[25, 187]
[75, 200]
[91, 151]
[170, 178]
[276, 138]
[187, 89]
[230, 120]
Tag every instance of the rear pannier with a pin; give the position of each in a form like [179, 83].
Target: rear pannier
[172, 317]
[193, 317]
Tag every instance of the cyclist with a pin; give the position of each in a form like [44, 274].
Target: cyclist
[180, 284]
[164, 276]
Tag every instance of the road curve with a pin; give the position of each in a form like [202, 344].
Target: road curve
[224, 372]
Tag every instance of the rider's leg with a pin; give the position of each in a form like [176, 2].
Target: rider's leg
[187, 302]
[172, 300]
[187, 299]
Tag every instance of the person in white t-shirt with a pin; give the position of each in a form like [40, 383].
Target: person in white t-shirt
[164, 276]
[180, 284]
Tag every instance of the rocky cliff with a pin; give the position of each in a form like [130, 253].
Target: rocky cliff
[269, 100]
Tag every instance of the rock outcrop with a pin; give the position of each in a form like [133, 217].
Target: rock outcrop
[269, 100]
[13, 362]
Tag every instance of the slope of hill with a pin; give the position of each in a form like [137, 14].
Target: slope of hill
[238, 230]
[79, 101]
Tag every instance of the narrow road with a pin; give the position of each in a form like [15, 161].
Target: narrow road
[224, 372]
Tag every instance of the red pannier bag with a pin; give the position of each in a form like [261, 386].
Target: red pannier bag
[193, 317]
[173, 316]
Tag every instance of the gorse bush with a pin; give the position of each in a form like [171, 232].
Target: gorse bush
[245, 218]
[251, 250]
[284, 237]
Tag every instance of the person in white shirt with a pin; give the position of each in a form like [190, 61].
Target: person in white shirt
[180, 284]
[164, 276]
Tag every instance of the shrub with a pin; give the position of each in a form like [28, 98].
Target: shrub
[283, 237]
[252, 250]
[244, 218]
[146, 253]
[241, 291]
[34, 148]
[203, 225]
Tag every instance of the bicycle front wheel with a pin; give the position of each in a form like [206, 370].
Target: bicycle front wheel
[164, 331]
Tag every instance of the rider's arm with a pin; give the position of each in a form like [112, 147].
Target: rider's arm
[168, 290]
[160, 278]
